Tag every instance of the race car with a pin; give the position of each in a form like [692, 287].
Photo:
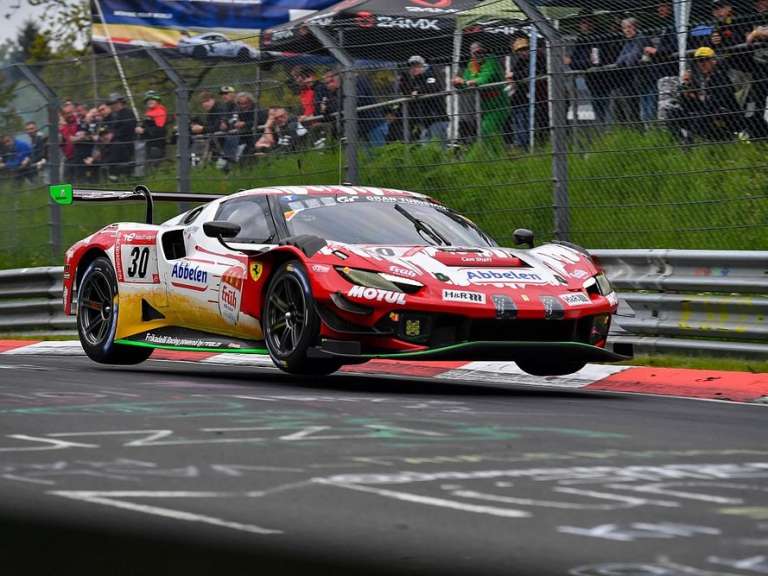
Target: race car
[322, 276]
[215, 45]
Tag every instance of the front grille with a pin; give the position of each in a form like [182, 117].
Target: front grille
[443, 330]
[522, 330]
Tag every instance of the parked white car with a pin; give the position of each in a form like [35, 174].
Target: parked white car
[215, 45]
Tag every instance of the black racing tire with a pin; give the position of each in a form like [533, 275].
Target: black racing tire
[199, 52]
[549, 368]
[97, 313]
[291, 324]
[243, 55]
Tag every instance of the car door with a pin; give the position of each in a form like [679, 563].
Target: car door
[238, 305]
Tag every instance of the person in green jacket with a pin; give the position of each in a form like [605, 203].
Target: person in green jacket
[482, 69]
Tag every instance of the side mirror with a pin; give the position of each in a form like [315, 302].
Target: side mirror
[221, 229]
[523, 236]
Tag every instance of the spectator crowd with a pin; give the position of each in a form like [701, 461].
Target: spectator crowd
[628, 65]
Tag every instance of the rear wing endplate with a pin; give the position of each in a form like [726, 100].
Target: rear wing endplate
[65, 195]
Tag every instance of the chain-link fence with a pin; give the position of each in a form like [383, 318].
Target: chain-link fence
[605, 122]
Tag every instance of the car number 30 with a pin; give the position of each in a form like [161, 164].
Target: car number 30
[139, 261]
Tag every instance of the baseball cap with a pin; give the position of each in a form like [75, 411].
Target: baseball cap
[416, 59]
[151, 95]
[115, 97]
[704, 52]
[226, 90]
[719, 3]
[520, 44]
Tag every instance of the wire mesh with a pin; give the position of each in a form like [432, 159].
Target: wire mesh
[664, 121]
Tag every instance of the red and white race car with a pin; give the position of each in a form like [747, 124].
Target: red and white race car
[321, 276]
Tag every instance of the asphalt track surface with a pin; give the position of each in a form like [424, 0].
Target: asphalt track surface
[180, 468]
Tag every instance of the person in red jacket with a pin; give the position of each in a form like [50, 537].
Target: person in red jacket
[154, 126]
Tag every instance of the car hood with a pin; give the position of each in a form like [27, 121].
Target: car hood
[547, 266]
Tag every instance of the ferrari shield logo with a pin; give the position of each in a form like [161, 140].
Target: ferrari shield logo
[256, 269]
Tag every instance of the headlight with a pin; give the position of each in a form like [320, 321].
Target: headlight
[598, 284]
[379, 280]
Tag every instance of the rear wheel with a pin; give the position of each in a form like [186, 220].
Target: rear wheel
[550, 368]
[291, 323]
[243, 55]
[97, 309]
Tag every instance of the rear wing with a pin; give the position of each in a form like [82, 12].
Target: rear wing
[65, 194]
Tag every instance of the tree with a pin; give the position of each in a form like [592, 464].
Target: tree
[67, 24]
[31, 44]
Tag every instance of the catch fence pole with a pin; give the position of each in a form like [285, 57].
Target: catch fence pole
[54, 153]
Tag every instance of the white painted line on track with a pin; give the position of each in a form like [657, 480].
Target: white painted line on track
[431, 501]
[110, 498]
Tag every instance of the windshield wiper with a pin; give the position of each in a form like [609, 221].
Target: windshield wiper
[422, 226]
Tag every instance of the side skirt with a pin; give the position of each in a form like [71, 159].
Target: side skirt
[186, 340]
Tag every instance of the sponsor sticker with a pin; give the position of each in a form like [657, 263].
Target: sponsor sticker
[463, 296]
[256, 269]
[399, 271]
[230, 294]
[502, 276]
[575, 299]
[191, 276]
[613, 300]
[377, 295]
[320, 268]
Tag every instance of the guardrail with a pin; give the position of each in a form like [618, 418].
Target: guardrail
[690, 301]
[687, 301]
[31, 302]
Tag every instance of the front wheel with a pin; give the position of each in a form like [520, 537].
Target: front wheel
[550, 368]
[97, 308]
[291, 323]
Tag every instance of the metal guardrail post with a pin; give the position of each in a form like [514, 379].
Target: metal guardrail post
[54, 153]
[349, 90]
[183, 148]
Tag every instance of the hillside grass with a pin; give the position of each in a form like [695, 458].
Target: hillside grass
[627, 190]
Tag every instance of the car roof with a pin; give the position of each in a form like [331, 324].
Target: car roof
[325, 190]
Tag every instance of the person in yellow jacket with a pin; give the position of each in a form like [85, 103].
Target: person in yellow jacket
[482, 69]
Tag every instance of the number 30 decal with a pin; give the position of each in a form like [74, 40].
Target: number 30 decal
[138, 264]
[139, 261]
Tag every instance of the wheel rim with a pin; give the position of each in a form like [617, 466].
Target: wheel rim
[286, 316]
[95, 308]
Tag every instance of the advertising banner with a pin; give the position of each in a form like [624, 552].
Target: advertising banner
[198, 28]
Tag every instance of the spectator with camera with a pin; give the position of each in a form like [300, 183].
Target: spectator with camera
[707, 105]
[278, 132]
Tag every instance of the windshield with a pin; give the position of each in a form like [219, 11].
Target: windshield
[382, 220]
